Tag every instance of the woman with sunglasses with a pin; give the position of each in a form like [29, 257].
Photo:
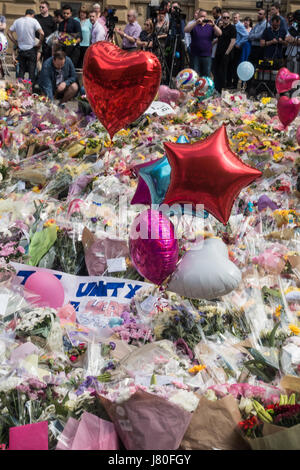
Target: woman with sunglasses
[145, 39]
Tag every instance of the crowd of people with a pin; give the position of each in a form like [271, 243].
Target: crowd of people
[50, 48]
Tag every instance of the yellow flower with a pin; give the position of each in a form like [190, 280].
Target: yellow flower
[3, 95]
[266, 143]
[265, 100]
[278, 156]
[278, 311]
[196, 369]
[36, 189]
[123, 132]
[294, 329]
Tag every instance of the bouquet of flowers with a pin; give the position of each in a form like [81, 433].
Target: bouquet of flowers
[66, 39]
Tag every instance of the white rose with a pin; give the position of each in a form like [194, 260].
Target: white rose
[246, 405]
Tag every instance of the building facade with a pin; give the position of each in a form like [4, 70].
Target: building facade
[13, 9]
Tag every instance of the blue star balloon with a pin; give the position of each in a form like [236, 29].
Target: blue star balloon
[157, 177]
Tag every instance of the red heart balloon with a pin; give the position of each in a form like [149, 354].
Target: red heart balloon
[288, 109]
[119, 85]
[284, 80]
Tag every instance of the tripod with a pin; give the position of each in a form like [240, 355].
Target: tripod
[110, 35]
[175, 41]
[156, 43]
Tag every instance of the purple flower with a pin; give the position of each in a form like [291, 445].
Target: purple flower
[112, 345]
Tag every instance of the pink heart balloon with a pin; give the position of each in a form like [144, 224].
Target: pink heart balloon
[284, 80]
[166, 95]
[288, 109]
[298, 135]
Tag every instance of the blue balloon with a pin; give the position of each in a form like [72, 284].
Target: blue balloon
[177, 55]
[157, 177]
[245, 71]
[182, 140]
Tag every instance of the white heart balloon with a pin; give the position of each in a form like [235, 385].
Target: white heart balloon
[206, 272]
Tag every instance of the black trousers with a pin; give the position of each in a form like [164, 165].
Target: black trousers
[46, 51]
[221, 71]
[74, 53]
[232, 78]
[27, 63]
[81, 57]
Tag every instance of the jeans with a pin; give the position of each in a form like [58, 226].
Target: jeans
[201, 65]
[27, 63]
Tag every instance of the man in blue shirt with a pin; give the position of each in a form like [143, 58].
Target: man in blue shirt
[58, 78]
[255, 37]
[241, 38]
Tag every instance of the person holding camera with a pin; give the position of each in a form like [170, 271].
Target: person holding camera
[293, 40]
[131, 32]
[273, 40]
[202, 33]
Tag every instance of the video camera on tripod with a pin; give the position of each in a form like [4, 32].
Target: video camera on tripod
[155, 8]
[177, 14]
[111, 21]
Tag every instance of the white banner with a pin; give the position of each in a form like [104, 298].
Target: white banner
[95, 298]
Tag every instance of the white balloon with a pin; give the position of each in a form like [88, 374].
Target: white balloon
[206, 272]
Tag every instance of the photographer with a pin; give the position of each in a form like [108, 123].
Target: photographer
[293, 40]
[175, 46]
[273, 39]
[176, 19]
[202, 32]
[131, 32]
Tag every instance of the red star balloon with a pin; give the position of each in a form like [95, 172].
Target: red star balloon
[207, 173]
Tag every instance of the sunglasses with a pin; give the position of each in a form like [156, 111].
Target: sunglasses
[226, 17]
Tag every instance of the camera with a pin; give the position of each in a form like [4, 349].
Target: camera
[177, 14]
[259, 5]
[154, 10]
[111, 19]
